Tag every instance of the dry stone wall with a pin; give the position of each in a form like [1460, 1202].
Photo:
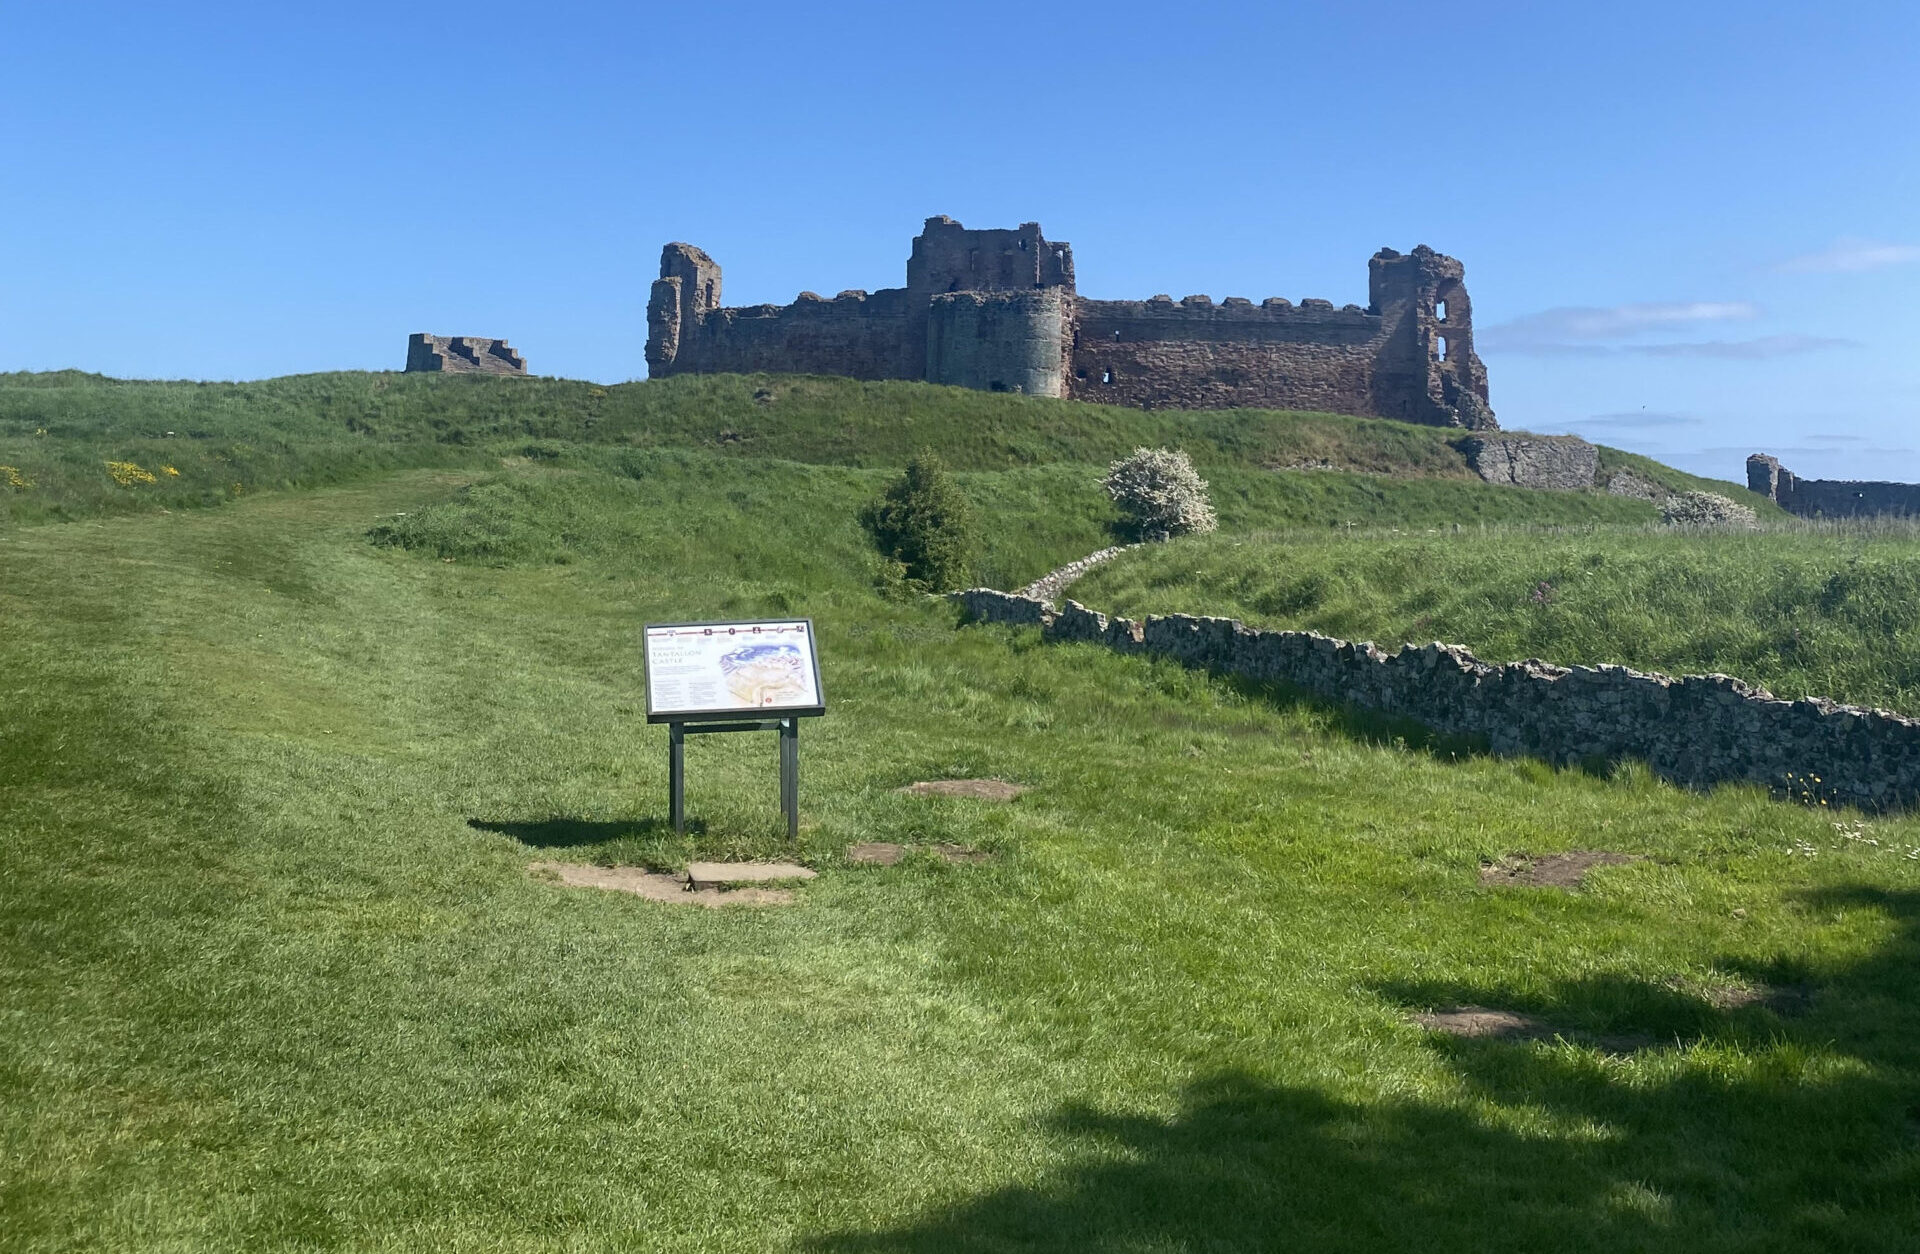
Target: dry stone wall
[1698, 730]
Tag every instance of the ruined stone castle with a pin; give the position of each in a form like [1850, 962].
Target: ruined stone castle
[997, 310]
[1829, 498]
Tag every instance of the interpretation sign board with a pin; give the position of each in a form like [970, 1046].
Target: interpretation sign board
[701, 671]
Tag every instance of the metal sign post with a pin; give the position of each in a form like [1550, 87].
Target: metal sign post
[789, 729]
[704, 678]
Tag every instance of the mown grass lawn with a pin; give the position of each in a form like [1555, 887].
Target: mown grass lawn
[276, 975]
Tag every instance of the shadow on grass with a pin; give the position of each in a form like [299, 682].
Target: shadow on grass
[1357, 723]
[1782, 1133]
[583, 833]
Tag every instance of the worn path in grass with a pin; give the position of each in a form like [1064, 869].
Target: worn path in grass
[276, 975]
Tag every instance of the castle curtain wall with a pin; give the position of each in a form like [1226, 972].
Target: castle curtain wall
[863, 336]
[1194, 354]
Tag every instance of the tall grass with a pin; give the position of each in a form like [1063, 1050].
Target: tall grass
[1802, 609]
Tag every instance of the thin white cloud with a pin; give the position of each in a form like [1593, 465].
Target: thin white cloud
[1743, 350]
[1640, 420]
[1852, 256]
[1568, 327]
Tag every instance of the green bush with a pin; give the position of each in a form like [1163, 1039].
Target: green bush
[924, 523]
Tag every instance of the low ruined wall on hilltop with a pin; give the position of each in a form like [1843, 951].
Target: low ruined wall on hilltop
[1697, 731]
[1830, 498]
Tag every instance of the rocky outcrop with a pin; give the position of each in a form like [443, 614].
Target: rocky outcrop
[1522, 460]
[1698, 731]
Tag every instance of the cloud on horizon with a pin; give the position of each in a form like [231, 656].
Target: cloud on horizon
[1743, 350]
[1570, 326]
[1595, 331]
[1849, 255]
[1641, 420]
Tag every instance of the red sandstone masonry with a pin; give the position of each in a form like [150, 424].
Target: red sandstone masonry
[1698, 730]
[998, 310]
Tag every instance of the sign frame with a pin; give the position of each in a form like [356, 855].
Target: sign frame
[782, 719]
[746, 713]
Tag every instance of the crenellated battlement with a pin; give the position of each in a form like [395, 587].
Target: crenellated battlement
[999, 309]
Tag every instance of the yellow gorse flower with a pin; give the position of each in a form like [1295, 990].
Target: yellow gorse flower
[127, 474]
[168, 470]
[11, 476]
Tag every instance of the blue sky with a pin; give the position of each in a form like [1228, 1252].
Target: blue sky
[1690, 229]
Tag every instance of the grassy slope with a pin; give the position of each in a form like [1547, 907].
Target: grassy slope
[1805, 611]
[276, 976]
[58, 430]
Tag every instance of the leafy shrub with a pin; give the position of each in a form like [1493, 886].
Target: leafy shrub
[1159, 494]
[1705, 509]
[924, 523]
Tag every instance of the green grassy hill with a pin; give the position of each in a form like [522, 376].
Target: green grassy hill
[1802, 610]
[275, 973]
[59, 432]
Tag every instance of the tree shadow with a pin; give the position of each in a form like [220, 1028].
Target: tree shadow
[1748, 1129]
[1246, 1165]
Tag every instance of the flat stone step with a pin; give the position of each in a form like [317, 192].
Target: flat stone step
[727, 874]
[972, 789]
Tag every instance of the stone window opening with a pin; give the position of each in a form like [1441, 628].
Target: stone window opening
[1440, 310]
[1023, 245]
[1440, 347]
[1116, 337]
[1106, 376]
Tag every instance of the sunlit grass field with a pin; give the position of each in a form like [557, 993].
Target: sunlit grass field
[274, 974]
[1802, 609]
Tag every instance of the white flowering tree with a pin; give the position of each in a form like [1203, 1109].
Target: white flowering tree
[1159, 494]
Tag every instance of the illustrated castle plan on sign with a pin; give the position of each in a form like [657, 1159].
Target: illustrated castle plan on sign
[997, 310]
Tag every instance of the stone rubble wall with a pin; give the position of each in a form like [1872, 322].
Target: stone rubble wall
[1050, 585]
[1697, 731]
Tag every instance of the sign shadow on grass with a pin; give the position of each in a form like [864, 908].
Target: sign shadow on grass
[568, 833]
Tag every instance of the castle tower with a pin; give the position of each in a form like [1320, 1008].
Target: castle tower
[947, 257]
[686, 291]
[1426, 371]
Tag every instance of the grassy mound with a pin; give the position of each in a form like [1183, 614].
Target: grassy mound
[208, 442]
[1802, 611]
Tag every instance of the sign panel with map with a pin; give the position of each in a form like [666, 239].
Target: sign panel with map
[732, 670]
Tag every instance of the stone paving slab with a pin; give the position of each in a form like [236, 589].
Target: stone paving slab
[669, 890]
[729, 874]
[972, 789]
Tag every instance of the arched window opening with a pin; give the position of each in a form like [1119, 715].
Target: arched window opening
[1439, 311]
[1440, 347]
